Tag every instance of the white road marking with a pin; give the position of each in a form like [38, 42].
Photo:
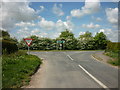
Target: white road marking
[95, 79]
[70, 57]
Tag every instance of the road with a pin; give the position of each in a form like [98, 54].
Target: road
[73, 69]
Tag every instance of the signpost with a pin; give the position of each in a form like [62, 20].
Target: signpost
[28, 42]
[60, 42]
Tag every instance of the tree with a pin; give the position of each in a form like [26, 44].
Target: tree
[66, 34]
[38, 43]
[86, 41]
[100, 41]
[70, 40]
[86, 36]
[5, 34]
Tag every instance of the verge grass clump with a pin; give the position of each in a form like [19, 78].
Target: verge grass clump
[17, 69]
[115, 58]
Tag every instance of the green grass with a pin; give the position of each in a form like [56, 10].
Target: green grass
[17, 69]
[116, 60]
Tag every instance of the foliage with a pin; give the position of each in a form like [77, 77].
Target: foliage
[17, 69]
[86, 36]
[70, 40]
[116, 59]
[8, 47]
[113, 46]
[38, 44]
[66, 35]
[4, 34]
[113, 50]
[86, 41]
[100, 40]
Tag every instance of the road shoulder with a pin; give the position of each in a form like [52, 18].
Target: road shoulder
[99, 56]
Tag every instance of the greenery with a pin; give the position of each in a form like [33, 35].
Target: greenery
[84, 42]
[116, 60]
[17, 69]
[113, 46]
[70, 40]
[113, 50]
[9, 45]
[100, 41]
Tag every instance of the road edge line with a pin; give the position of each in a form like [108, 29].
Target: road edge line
[95, 79]
[70, 57]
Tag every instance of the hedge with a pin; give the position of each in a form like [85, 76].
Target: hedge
[113, 46]
[8, 47]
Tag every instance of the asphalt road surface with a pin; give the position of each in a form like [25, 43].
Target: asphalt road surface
[73, 69]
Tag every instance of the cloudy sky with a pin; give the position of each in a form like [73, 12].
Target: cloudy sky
[48, 19]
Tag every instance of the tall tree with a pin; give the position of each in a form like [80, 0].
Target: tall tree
[86, 36]
[66, 34]
[86, 41]
[70, 40]
[100, 40]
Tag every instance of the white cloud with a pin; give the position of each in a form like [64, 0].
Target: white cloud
[61, 25]
[25, 24]
[112, 15]
[112, 35]
[89, 8]
[42, 8]
[46, 25]
[14, 12]
[91, 26]
[96, 18]
[68, 18]
[35, 32]
[57, 10]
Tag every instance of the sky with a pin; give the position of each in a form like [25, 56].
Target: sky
[49, 19]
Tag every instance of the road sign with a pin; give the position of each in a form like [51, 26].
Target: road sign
[28, 41]
[60, 41]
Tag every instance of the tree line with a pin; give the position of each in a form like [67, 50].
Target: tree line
[68, 42]
[65, 41]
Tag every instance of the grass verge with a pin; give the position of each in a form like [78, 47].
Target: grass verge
[17, 69]
[116, 60]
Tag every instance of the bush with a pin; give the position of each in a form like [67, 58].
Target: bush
[113, 46]
[8, 47]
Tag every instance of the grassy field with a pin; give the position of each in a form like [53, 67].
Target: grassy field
[17, 69]
[116, 60]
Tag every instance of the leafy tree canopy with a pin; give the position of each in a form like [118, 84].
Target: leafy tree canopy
[101, 40]
[86, 36]
[66, 34]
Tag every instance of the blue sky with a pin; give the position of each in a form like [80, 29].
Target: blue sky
[48, 19]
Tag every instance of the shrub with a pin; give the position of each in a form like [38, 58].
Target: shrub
[8, 47]
[113, 46]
